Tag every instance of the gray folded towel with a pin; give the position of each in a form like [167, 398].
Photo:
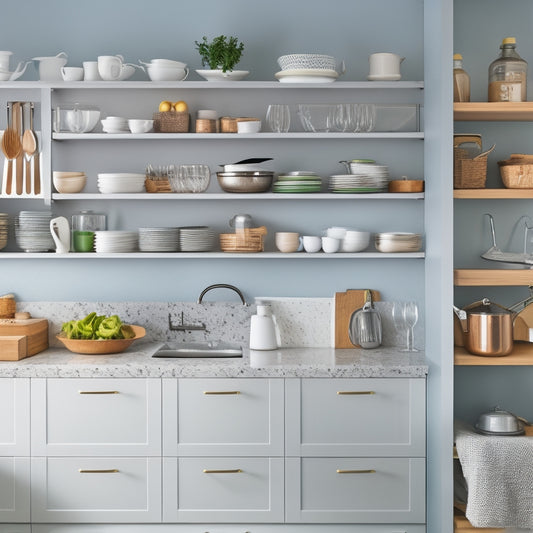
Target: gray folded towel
[499, 474]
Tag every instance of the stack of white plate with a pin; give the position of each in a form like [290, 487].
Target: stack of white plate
[307, 68]
[115, 125]
[32, 231]
[398, 242]
[106, 242]
[354, 183]
[4, 225]
[197, 239]
[120, 182]
[159, 239]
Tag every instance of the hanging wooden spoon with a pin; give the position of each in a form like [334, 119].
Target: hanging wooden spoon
[19, 183]
[10, 147]
[28, 147]
[35, 155]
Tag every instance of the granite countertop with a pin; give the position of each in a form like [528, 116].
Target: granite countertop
[137, 362]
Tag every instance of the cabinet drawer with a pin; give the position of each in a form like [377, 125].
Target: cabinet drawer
[14, 489]
[14, 416]
[344, 490]
[355, 417]
[96, 417]
[223, 489]
[103, 489]
[206, 417]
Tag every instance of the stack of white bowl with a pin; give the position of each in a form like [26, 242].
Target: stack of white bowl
[115, 125]
[166, 70]
[4, 226]
[120, 182]
[307, 68]
[394, 242]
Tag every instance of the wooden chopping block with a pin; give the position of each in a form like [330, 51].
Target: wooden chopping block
[345, 304]
[35, 329]
[522, 323]
[13, 347]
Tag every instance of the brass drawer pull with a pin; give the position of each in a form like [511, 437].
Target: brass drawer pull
[108, 471]
[222, 392]
[356, 392]
[232, 471]
[355, 471]
[98, 392]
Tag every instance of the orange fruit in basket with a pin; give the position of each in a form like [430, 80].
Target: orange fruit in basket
[165, 105]
[180, 106]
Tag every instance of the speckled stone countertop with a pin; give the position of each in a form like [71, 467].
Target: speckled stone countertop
[137, 362]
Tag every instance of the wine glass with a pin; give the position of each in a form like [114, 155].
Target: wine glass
[410, 314]
[278, 117]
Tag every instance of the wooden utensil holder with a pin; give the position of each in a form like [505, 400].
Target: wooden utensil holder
[247, 240]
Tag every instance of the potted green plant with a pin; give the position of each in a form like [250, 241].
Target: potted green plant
[221, 54]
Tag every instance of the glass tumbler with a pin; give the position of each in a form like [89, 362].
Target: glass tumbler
[279, 118]
[193, 178]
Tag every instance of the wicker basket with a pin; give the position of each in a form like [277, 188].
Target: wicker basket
[8, 307]
[516, 176]
[157, 185]
[171, 122]
[469, 173]
[246, 240]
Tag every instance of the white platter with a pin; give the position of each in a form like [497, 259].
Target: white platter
[376, 77]
[218, 75]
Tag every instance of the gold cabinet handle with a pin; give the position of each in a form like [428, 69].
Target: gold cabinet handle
[222, 392]
[231, 471]
[98, 392]
[355, 471]
[107, 471]
[356, 392]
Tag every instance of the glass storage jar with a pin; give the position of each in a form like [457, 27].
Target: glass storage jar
[508, 75]
[461, 80]
[84, 224]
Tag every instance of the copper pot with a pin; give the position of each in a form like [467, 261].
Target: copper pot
[487, 328]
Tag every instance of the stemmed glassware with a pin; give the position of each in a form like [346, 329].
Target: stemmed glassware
[279, 118]
[405, 316]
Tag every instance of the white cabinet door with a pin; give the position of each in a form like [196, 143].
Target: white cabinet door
[96, 489]
[15, 417]
[345, 490]
[223, 489]
[96, 417]
[206, 417]
[14, 489]
[356, 417]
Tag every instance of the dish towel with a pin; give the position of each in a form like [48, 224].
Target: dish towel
[499, 476]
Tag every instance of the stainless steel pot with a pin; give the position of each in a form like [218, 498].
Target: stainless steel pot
[487, 328]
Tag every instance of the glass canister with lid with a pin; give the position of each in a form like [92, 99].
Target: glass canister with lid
[84, 224]
[508, 75]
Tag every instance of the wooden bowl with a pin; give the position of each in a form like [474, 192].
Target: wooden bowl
[100, 347]
[406, 186]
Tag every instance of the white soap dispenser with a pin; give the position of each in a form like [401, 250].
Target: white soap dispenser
[264, 332]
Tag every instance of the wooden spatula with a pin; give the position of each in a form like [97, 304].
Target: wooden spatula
[11, 147]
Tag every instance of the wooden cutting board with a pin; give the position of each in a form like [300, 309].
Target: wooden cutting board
[345, 304]
[523, 321]
[34, 329]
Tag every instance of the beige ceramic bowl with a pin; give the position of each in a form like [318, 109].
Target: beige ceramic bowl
[69, 185]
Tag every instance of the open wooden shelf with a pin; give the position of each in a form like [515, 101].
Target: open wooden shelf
[493, 194]
[522, 355]
[515, 111]
[461, 524]
[484, 277]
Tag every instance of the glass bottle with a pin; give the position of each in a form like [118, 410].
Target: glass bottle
[461, 80]
[508, 75]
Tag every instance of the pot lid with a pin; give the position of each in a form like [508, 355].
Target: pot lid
[486, 307]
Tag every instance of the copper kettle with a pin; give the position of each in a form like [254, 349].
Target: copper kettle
[487, 328]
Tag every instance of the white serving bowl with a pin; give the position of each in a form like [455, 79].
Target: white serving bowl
[166, 73]
[69, 185]
[355, 241]
[249, 126]
[140, 125]
[307, 61]
[81, 120]
[169, 63]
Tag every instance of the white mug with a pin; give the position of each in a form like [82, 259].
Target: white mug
[385, 64]
[90, 71]
[72, 73]
[110, 67]
[311, 243]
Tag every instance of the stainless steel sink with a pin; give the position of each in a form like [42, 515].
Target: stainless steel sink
[199, 350]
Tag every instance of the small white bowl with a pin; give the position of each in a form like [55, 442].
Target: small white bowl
[140, 125]
[68, 185]
[164, 73]
[249, 126]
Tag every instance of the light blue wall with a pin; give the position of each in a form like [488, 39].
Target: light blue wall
[347, 29]
[479, 27]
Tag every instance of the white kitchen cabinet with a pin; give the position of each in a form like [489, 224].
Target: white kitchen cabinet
[355, 417]
[14, 417]
[219, 417]
[96, 417]
[96, 489]
[14, 489]
[223, 489]
[355, 490]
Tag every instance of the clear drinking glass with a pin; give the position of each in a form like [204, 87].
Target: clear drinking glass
[279, 118]
[365, 117]
[191, 178]
[398, 317]
[345, 117]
